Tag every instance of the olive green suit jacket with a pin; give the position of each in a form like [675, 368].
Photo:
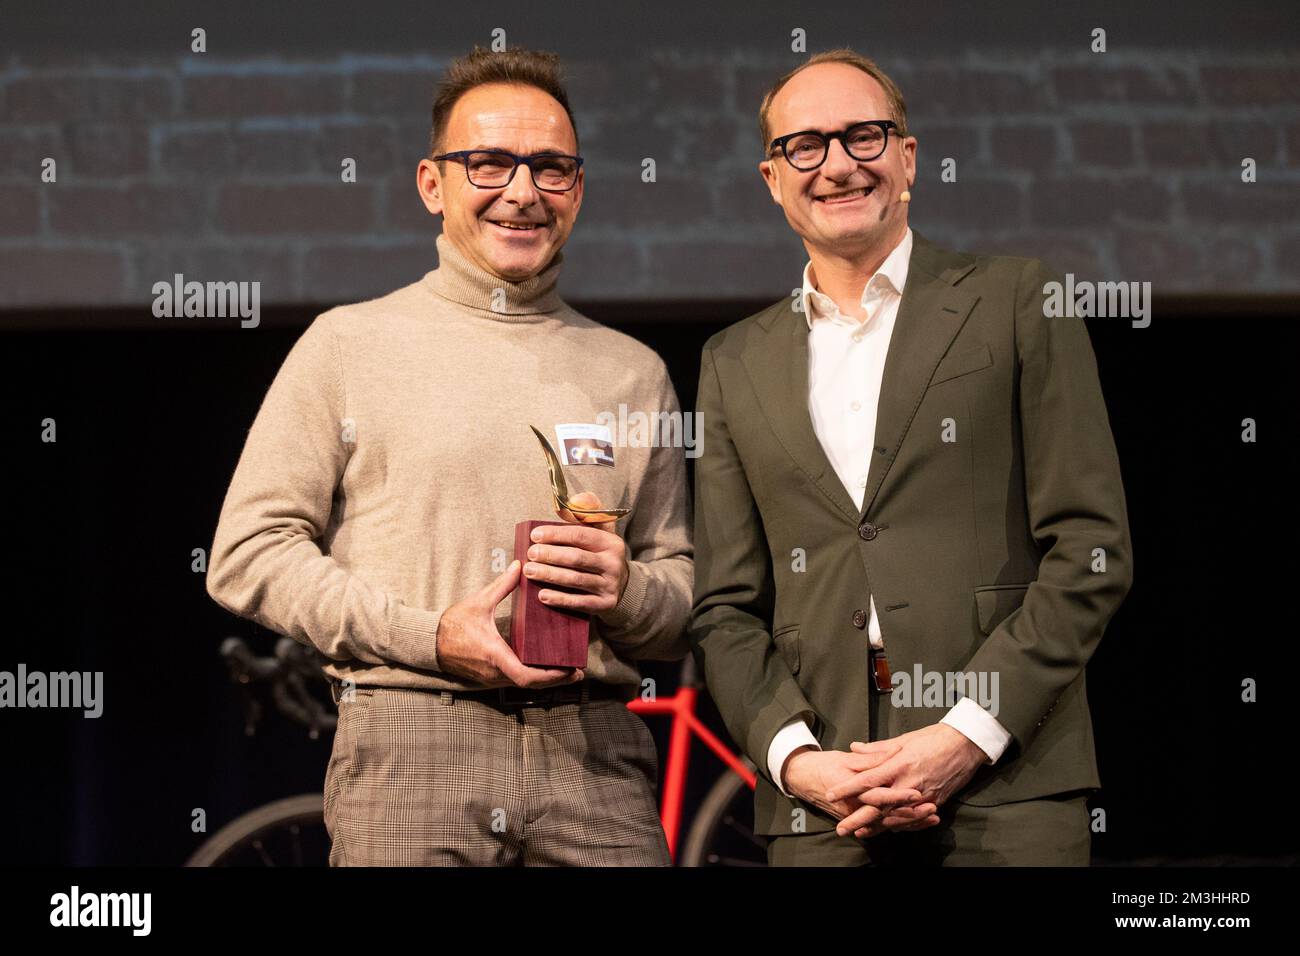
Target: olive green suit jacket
[993, 532]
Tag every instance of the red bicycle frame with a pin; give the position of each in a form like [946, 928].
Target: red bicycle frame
[681, 706]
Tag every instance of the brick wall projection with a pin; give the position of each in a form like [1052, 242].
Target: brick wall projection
[1123, 165]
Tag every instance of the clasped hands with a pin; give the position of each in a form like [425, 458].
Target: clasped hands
[588, 558]
[896, 784]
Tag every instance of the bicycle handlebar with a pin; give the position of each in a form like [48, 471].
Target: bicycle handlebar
[288, 673]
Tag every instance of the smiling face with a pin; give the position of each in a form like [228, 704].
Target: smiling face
[514, 231]
[844, 207]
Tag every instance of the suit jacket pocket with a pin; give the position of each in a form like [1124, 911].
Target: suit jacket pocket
[995, 601]
[786, 639]
[963, 363]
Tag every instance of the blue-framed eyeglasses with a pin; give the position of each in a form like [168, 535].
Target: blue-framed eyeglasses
[495, 168]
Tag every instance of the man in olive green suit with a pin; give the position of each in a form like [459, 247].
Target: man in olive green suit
[910, 527]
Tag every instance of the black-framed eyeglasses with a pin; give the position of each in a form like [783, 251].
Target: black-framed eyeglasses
[808, 149]
[495, 168]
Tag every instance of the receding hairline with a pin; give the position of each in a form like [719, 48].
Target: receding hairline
[895, 104]
[517, 85]
[517, 66]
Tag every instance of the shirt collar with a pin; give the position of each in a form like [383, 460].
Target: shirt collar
[892, 274]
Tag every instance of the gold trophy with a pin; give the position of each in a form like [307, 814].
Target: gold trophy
[543, 636]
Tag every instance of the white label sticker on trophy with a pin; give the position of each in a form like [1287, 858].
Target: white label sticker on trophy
[585, 444]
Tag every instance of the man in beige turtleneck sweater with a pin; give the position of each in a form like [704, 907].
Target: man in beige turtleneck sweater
[372, 514]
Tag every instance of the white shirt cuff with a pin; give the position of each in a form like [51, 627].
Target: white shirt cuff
[789, 738]
[979, 727]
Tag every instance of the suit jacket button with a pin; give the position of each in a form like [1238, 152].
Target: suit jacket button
[859, 619]
[867, 531]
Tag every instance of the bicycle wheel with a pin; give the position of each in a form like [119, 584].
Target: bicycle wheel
[288, 832]
[722, 833]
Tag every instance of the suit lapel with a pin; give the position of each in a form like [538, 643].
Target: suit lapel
[929, 316]
[778, 369]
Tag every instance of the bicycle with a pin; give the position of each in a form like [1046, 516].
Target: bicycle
[291, 831]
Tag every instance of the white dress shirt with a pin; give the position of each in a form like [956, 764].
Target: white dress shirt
[846, 362]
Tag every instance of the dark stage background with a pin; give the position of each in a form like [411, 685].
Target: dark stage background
[102, 524]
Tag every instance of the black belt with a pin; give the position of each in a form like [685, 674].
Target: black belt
[521, 696]
[546, 696]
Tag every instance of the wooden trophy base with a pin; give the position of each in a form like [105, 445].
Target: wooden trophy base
[543, 636]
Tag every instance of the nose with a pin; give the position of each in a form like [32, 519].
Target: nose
[520, 189]
[839, 164]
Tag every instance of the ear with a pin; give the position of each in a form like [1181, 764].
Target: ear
[768, 172]
[577, 190]
[429, 182]
[909, 159]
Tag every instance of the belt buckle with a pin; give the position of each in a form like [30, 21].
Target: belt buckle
[881, 682]
[524, 697]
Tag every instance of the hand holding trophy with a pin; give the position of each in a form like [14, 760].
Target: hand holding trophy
[546, 635]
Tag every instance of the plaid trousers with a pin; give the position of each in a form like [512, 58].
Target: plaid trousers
[427, 778]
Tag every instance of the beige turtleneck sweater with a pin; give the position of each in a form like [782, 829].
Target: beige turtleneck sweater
[385, 471]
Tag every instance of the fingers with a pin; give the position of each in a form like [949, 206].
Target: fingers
[895, 824]
[562, 577]
[858, 819]
[575, 559]
[869, 779]
[870, 821]
[586, 499]
[838, 811]
[889, 797]
[588, 537]
[586, 520]
[882, 752]
[882, 805]
[586, 603]
[571, 676]
[907, 815]
[585, 576]
[521, 675]
[885, 747]
[583, 499]
[499, 588]
[874, 746]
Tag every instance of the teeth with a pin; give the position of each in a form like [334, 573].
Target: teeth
[860, 191]
[512, 225]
